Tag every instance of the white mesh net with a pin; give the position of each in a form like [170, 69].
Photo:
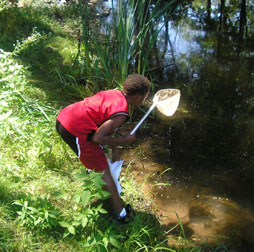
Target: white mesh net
[167, 101]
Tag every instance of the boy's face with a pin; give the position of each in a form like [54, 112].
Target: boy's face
[140, 100]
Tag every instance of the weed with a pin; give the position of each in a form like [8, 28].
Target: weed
[39, 213]
[83, 215]
[102, 241]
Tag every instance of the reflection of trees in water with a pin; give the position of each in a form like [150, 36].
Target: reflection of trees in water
[221, 91]
[222, 67]
[212, 143]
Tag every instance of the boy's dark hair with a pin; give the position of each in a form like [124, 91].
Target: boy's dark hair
[136, 84]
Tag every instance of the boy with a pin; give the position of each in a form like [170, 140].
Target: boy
[87, 124]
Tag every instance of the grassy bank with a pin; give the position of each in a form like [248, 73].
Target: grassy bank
[47, 201]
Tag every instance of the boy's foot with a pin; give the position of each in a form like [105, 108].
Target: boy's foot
[118, 220]
[128, 209]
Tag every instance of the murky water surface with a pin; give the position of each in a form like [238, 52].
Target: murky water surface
[213, 199]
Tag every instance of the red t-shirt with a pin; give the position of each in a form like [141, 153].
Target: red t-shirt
[84, 117]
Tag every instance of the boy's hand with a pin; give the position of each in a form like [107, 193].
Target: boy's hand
[103, 134]
[130, 138]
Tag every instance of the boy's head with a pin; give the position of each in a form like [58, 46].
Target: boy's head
[136, 84]
[136, 87]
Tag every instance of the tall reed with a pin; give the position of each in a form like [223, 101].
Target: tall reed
[125, 44]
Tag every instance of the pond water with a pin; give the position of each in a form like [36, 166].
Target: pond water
[210, 194]
[205, 151]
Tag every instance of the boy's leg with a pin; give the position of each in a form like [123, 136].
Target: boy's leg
[111, 188]
[67, 137]
[122, 214]
[93, 157]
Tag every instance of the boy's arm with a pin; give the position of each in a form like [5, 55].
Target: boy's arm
[103, 134]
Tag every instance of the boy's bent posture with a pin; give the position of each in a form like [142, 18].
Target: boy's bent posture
[87, 124]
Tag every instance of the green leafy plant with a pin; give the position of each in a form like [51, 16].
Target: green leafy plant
[83, 213]
[5, 4]
[104, 240]
[24, 46]
[221, 247]
[38, 213]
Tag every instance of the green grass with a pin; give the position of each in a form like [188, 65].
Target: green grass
[44, 205]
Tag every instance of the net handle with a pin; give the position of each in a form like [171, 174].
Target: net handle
[155, 103]
[143, 118]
